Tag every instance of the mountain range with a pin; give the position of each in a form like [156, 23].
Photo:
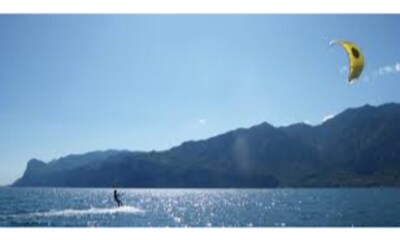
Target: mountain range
[359, 147]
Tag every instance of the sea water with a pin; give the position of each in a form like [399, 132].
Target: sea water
[85, 207]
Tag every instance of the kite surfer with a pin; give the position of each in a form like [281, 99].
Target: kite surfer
[116, 198]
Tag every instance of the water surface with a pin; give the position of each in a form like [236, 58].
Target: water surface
[200, 207]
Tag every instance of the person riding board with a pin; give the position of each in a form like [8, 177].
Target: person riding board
[116, 198]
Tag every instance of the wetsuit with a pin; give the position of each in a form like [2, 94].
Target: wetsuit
[116, 198]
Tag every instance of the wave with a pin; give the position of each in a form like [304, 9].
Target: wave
[90, 211]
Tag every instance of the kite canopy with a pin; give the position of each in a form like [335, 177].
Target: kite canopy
[356, 59]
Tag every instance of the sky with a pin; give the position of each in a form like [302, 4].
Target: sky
[79, 83]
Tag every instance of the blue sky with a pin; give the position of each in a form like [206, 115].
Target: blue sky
[77, 83]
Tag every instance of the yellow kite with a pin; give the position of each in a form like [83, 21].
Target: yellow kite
[356, 59]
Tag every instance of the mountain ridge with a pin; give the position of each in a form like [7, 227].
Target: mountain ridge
[357, 147]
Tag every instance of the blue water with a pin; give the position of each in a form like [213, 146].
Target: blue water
[200, 207]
